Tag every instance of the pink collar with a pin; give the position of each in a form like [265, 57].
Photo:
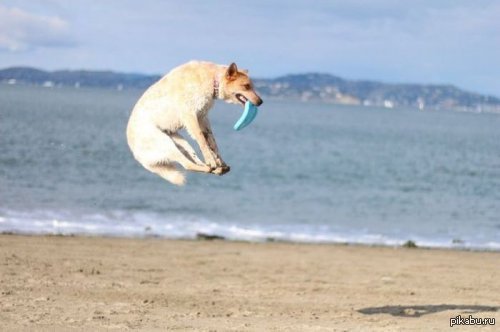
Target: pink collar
[216, 89]
[217, 78]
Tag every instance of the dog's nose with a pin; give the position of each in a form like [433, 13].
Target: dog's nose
[259, 102]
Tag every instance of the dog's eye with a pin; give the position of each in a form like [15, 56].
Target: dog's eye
[246, 86]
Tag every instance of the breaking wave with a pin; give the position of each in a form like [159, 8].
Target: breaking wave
[144, 224]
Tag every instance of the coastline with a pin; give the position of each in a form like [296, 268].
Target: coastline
[200, 237]
[154, 283]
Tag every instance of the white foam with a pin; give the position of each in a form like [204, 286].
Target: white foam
[141, 224]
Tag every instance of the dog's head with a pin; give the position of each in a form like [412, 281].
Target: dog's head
[238, 88]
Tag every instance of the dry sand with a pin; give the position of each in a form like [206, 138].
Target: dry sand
[57, 283]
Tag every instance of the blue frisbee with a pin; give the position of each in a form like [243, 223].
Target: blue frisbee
[249, 113]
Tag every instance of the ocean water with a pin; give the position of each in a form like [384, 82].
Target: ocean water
[301, 172]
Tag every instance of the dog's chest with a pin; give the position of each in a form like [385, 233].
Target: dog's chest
[203, 108]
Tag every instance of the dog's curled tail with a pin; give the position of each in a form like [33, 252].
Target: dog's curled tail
[176, 177]
[170, 173]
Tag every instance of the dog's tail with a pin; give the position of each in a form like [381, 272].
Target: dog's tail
[169, 173]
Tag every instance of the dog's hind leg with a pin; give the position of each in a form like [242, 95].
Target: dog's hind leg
[169, 172]
[159, 152]
[186, 148]
[188, 162]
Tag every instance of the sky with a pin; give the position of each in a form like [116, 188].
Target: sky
[421, 41]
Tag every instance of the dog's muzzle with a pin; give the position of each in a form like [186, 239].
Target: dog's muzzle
[242, 99]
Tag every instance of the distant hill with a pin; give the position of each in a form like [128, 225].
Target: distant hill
[329, 88]
[76, 78]
[303, 87]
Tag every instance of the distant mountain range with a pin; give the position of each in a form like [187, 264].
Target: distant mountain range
[299, 87]
[76, 78]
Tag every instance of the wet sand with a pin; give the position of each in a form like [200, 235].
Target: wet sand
[87, 283]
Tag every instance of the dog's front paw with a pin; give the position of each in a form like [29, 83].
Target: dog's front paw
[221, 170]
[211, 162]
[206, 168]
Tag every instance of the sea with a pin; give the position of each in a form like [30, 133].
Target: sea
[301, 172]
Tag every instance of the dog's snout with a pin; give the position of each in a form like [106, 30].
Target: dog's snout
[259, 102]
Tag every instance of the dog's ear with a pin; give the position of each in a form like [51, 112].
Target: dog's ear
[232, 72]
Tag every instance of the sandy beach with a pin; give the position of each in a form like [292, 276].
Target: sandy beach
[90, 283]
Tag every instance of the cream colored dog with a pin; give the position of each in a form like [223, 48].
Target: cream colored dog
[182, 99]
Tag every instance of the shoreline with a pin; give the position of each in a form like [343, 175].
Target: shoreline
[408, 244]
[83, 283]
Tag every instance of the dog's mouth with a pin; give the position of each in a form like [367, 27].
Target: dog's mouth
[242, 99]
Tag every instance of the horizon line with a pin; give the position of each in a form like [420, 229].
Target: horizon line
[257, 78]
